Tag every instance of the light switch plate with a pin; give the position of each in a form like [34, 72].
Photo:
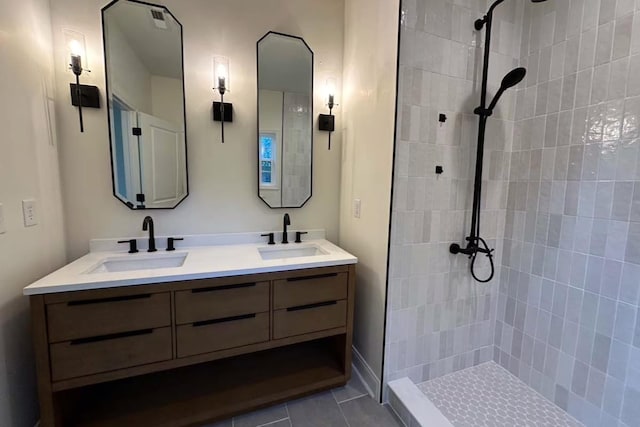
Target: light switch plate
[357, 208]
[3, 225]
[30, 212]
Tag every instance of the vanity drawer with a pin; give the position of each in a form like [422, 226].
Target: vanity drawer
[311, 318]
[108, 353]
[105, 316]
[222, 334]
[221, 302]
[297, 291]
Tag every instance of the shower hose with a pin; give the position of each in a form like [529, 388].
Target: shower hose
[489, 253]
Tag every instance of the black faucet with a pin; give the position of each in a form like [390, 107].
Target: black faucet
[285, 235]
[148, 224]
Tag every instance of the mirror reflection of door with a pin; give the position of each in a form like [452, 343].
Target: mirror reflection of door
[126, 173]
[161, 153]
[285, 120]
[145, 80]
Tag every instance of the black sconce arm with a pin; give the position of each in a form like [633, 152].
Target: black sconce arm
[327, 122]
[222, 112]
[82, 95]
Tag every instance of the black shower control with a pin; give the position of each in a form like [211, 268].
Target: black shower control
[439, 170]
[442, 118]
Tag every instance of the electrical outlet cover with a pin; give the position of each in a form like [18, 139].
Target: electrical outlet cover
[357, 208]
[29, 212]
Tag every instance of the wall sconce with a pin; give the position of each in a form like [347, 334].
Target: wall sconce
[326, 122]
[222, 112]
[81, 95]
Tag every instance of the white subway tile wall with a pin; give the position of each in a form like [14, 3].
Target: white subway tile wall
[569, 287]
[561, 201]
[439, 321]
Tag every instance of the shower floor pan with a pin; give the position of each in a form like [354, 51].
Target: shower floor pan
[484, 395]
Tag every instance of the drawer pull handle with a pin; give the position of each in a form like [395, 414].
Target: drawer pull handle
[112, 299]
[225, 320]
[310, 306]
[318, 276]
[111, 337]
[223, 288]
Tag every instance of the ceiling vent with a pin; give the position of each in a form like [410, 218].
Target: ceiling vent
[158, 19]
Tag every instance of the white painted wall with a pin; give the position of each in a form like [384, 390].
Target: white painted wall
[166, 99]
[28, 169]
[223, 177]
[133, 86]
[368, 107]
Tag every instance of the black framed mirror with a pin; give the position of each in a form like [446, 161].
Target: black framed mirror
[143, 52]
[285, 120]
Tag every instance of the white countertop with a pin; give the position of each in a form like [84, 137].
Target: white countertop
[207, 257]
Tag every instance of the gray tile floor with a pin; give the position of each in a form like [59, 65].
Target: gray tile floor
[348, 406]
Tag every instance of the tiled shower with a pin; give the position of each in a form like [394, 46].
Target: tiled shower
[561, 201]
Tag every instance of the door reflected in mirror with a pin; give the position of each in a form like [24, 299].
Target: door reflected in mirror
[285, 120]
[145, 93]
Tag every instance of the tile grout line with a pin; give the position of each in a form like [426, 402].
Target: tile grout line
[334, 397]
[274, 421]
[286, 407]
[349, 399]
[342, 413]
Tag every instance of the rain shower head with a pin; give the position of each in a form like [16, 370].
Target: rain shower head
[512, 78]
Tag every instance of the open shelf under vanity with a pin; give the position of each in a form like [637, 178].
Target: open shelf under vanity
[196, 394]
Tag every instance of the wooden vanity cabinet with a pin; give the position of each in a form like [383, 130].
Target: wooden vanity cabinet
[188, 353]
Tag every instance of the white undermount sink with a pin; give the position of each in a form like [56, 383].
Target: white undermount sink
[293, 251]
[139, 262]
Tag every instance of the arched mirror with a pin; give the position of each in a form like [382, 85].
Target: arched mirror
[285, 120]
[145, 94]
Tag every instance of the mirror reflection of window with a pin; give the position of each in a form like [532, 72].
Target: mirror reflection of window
[145, 81]
[268, 160]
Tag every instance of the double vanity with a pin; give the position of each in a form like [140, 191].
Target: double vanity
[221, 325]
[182, 331]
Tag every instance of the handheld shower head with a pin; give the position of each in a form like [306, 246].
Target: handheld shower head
[512, 78]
